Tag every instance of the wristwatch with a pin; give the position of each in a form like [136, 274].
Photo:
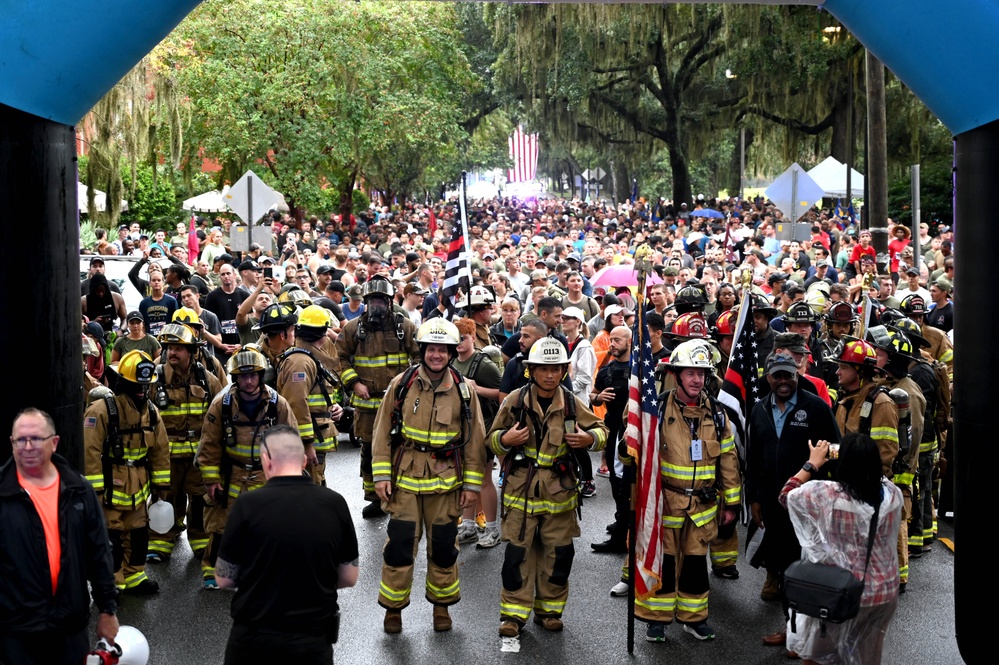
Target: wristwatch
[809, 467]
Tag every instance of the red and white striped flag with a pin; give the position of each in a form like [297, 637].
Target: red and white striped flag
[642, 440]
[192, 242]
[524, 154]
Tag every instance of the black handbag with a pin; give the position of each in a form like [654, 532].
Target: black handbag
[825, 591]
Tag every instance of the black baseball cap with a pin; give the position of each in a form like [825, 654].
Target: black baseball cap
[249, 264]
[324, 269]
[96, 259]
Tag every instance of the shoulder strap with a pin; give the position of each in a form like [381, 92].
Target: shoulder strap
[570, 403]
[476, 362]
[865, 419]
[113, 420]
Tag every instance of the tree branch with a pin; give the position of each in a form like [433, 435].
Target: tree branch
[790, 123]
[691, 60]
[700, 61]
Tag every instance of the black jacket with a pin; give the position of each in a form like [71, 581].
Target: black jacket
[26, 601]
[771, 461]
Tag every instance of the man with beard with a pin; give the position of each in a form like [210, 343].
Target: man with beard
[127, 458]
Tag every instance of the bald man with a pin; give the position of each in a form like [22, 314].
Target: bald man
[290, 519]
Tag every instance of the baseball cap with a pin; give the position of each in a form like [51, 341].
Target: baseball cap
[574, 256]
[575, 313]
[353, 255]
[670, 271]
[96, 259]
[823, 262]
[267, 259]
[249, 264]
[943, 284]
[781, 362]
[611, 310]
[227, 257]
[488, 255]
[539, 274]
[791, 341]
[335, 285]
[776, 277]
[912, 270]
[135, 315]
[324, 269]
[537, 240]
[354, 292]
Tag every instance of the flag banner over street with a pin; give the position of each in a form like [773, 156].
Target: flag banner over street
[642, 441]
[458, 271]
[524, 154]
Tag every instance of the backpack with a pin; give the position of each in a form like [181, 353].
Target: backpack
[943, 396]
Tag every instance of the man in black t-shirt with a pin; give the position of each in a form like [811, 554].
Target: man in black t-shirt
[610, 387]
[942, 314]
[287, 548]
[224, 303]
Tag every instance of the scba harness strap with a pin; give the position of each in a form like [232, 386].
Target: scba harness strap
[114, 445]
[324, 377]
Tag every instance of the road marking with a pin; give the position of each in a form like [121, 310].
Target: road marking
[510, 644]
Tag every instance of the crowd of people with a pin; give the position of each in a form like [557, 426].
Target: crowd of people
[345, 326]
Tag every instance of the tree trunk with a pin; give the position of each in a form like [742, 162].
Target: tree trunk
[346, 189]
[841, 119]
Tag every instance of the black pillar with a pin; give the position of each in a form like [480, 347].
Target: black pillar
[976, 391]
[40, 316]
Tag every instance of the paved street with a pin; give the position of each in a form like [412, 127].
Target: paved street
[188, 626]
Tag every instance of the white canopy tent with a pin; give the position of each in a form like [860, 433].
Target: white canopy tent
[830, 175]
[100, 199]
[208, 202]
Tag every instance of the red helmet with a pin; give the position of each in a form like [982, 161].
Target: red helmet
[725, 323]
[858, 353]
[691, 325]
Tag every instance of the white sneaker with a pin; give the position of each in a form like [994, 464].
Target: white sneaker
[468, 532]
[620, 589]
[490, 538]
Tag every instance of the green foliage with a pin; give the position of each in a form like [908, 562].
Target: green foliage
[149, 203]
[331, 202]
[88, 235]
[324, 92]
[936, 193]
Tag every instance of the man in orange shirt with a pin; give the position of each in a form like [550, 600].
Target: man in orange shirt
[52, 535]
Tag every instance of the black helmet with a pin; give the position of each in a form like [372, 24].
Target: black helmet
[841, 312]
[762, 305]
[277, 317]
[911, 329]
[800, 312]
[377, 286]
[914, 304]
[690, 299]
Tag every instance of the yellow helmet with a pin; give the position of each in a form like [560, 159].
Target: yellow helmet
[136, 366]
[315, 316]
[177, 333]
[296, 297]
[247, 360]
[188, 317]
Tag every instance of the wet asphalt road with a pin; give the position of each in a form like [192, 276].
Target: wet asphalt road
[186, 625]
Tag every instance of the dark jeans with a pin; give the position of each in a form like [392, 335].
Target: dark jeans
[256, 646]
[52, 647]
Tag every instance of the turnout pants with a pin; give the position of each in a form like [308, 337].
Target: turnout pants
[188, 490]
[536, 566]
[725, 546]
[684, 591]
[921, 526]
[412, 515]
[903, 534]
[128, 531]
[364, 423]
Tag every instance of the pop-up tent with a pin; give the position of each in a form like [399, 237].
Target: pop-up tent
[208, 202]
[830, 175]
[100, 199]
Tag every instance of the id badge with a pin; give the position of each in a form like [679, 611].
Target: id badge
[696, 450]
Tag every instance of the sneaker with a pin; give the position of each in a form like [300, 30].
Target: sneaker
[146, 587]
[509, 629]
[491, 538]
[656, 632]
[699, 630]
[156, 557]
[467, 533]
[603, 473]
[553, 624]
[726, 572]
[619, 590]
[588, 489]
[210, 584]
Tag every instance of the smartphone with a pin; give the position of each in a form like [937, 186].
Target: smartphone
[269, 272]
[279, 273]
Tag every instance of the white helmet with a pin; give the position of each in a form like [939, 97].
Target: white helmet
[133, 646]
[547, 351]
[693, 354]
[480, 296]
[438, 331]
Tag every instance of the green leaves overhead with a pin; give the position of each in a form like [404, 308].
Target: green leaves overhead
[322, 92]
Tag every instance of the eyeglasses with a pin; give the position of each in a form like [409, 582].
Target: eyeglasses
[35, 441]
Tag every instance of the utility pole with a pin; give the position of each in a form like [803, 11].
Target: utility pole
[877, 161]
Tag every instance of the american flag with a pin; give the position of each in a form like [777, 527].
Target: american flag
[642, 440]
[739, 391]
[458, 272]
[524, 155]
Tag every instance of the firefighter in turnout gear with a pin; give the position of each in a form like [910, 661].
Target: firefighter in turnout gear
[840, 320]
[127, 457]
[203, 355]
[698, 464]
[894, 350]
[940, 347]
[428, 464]
[229, 455]
[533, 431]
[373, 349]
[863, 406]
[183, 390]
[299, 378]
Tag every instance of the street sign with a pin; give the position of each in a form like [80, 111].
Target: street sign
[250, 197]
[794, 192]
[598, 173]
